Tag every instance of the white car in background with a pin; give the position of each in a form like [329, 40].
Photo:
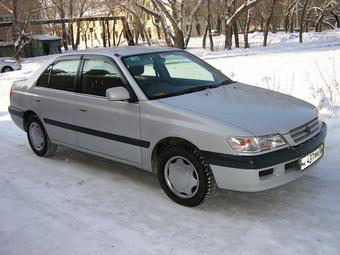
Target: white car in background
[8, 65]
[170, 113]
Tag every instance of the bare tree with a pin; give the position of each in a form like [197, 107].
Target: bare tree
[191, 17]
[302, 19]
[290, 9]
[208, 29]
[267, 19]
[130, 7]
[232, 16]
[22, 16]
[173, 11]
[322, 13]
[246, 29]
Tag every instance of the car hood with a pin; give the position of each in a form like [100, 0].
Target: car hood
[257, 110]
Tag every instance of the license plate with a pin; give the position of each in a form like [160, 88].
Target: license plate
[310, 158]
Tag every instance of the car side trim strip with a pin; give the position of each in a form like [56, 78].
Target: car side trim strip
[15, 111]
[110, 136]
[268, 159]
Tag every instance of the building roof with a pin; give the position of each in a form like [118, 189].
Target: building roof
[45, 37]
[6, 43]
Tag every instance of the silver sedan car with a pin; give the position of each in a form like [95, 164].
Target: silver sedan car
[170, 113]
[8, 65]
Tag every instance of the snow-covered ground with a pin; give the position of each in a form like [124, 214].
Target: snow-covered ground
[74, 203]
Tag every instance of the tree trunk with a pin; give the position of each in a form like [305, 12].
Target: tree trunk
[265, 35]
[336, 17]
[86, 40]
[114, 33]
[127, 32]
[318, 24]
[179, 39]
[147, 36]
[262, 24]
[218, 25]
[108, 32]
[286, 22]
[291, 24]
[267, 22]
[302, 19]
[104, 34]
[156, 24]
[191, 19]
[211, 41]
[236, 38]
[63, 28]
[198, 26]
[228, 32]
[167, 35]
[77, 35]
[71, 33]
[72, 36]
[209, 27]
[246, 30]
[205, 36]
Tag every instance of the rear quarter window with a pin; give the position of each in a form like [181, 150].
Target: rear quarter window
[63, 75]
[44, 78]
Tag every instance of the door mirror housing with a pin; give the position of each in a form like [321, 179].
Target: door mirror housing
[117, 94]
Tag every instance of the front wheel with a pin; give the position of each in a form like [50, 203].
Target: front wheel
[38, 138]
[185, 176]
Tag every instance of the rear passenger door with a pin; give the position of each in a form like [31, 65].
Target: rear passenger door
[107, 127]
[54, 96]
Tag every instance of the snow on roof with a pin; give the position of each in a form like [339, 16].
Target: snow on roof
[45, 37]
[6, 43]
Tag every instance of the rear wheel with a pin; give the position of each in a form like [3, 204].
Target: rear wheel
[38, 138]
[7, 69]
[185, 176]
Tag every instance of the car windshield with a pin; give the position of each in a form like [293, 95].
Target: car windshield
[173, 73]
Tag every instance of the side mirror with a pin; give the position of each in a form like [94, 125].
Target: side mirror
[117, 94]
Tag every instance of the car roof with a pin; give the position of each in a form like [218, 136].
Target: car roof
[122, 51]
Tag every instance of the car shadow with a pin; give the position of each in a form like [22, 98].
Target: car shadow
[105, 165]
[258, 203]
[3, 113]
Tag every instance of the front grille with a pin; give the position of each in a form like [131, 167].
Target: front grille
[305, 131]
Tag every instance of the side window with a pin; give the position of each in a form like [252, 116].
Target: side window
[44, 78]
[63, 75]
[98, 75]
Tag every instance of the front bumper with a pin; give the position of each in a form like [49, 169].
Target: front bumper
[261, 172]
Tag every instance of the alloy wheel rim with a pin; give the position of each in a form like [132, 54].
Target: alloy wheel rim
[36, 136]
[181, 177]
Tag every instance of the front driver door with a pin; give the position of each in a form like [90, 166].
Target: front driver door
[108, 127]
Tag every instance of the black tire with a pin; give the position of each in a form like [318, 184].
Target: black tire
[6, 69]
[48, 148]
[207, 185]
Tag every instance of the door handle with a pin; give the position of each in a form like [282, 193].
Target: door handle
[82, 109]
[37, 100]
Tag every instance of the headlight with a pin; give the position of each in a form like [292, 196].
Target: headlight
[256, 144]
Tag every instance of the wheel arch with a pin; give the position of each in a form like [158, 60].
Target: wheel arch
[164, 143]
[25, 118]
[3, 68]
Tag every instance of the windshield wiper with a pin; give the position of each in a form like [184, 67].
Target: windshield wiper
[199, 88]
[225, 82]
